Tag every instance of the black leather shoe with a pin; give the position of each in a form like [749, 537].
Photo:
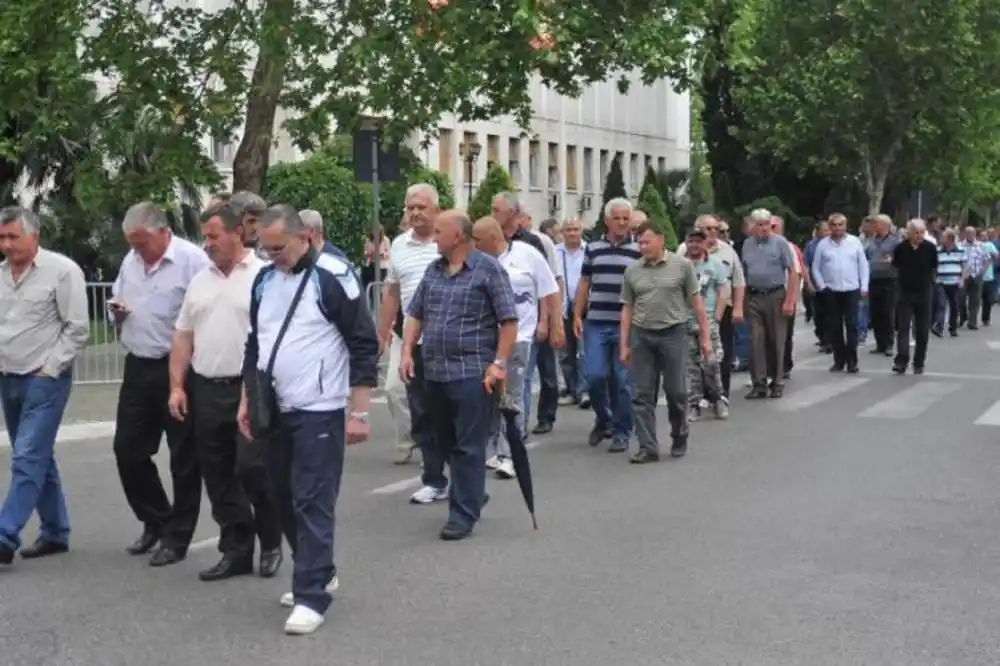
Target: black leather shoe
[43, 548]
[6, 556]
[454, 532]
[679, 447]
[166, 555]
[542, 429]
[270, 562]
[144, 543]
[228, 567]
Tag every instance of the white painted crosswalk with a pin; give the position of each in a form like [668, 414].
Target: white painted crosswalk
[958, 399]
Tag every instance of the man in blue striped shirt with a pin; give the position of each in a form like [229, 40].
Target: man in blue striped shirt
[950, 276]
[599, 293]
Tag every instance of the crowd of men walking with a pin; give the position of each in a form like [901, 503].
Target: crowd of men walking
[255, 355]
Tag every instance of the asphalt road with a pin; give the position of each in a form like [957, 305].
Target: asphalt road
[854, 522]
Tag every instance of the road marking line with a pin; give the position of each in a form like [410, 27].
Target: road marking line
[993, 344]
[910, 402]
[991, 417]
[937, 375]
[204, 544]
[414, 481]
[813, 395]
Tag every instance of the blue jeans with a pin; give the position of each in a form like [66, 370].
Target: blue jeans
[306, 460]
[741, 343]
[464, 415]
[543, 357]
[862, 319]
[603, 371]
[33, 409]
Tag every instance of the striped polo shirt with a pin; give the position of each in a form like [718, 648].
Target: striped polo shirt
[604, 264]
[951, 262]
[408, 261]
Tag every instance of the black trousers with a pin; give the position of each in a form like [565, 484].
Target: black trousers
[726, 338]
[570, 362]
[548, 393]
[422, 427]
[821, 308]
[141, 421]
[913, 309]
[882, 311]
[842, 324]
[789, 343]
[215, 402]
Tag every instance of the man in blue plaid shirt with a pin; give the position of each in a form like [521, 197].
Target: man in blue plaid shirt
[463, 313]
[977, 261]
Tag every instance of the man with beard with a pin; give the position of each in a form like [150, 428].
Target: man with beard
[249, 207]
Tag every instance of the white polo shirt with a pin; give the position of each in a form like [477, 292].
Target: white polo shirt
[216, 310]
[408, 261]
[531, 279]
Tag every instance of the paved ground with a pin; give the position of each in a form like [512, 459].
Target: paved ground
[843, 525]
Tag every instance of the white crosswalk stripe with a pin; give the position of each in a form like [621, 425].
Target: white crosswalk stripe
[911, 402]
[991, 417]
[818, 393]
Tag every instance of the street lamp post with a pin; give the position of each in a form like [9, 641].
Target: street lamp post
[470, 152]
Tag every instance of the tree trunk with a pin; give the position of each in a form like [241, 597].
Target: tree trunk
[877, 175]
[254, 153]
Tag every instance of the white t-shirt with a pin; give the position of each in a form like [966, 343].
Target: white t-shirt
[531, 279]
[550, 253]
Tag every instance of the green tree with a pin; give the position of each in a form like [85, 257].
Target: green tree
[650, 178]
[321, 183]
[854, 89]
[652, 205]
[614, 188]
[497, 180]
[327, 64]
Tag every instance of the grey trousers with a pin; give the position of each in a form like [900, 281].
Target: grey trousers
[767, 336]
[657, 354]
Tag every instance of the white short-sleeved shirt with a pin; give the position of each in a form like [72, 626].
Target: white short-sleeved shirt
[408, 261]
[531, 280]
[216, 310]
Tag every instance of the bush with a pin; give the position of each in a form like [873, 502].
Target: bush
[651, 203]
[321, 183]
[497, 180]
[614, 188]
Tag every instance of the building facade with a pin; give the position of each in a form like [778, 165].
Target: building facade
[560, 167]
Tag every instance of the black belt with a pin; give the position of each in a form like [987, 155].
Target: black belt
[144, 359]
[219, 381]
[765, 292]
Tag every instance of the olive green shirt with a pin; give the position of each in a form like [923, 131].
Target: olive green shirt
[660, 293]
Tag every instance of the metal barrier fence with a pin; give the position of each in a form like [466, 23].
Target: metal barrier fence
[103, 360]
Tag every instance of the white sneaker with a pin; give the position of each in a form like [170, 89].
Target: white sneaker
[288, 599]
[493, 463]
[505, 470]
[722, 408]
[303, 621]
[429, 495]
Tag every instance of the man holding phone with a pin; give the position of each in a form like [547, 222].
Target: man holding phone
[147, 298]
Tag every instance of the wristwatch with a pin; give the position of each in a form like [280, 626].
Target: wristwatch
[360, 417]
[500, 363]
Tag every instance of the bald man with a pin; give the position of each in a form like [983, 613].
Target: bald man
[464, 313]
[532, 282]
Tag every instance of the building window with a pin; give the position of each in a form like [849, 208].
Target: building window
[223, 151]
[514, 161]
[492, 150]
[444, 152]
[605, 167]
[533, 176]
[633, 171]
[554, 183]
[649, 162]
[588, 169]
[661, 164]
[571, 182]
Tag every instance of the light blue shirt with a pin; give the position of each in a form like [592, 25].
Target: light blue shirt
[571, 263]
[840, 266]
[154, 295]
[991, 251]
[712, 276]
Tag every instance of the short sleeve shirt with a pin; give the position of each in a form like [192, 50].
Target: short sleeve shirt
[531, 279]
[712, 275]
[660, 293]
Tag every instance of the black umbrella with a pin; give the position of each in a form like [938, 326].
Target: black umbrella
[510, 412]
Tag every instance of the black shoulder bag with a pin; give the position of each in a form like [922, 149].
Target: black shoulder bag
[262, 401]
